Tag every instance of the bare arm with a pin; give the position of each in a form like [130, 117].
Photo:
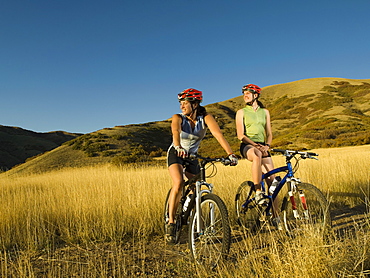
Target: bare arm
[268, 128]
[176, 129]
[217, 133]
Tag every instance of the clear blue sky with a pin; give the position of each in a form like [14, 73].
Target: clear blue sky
[80, 66]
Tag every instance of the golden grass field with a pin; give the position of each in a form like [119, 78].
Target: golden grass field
[105, 221]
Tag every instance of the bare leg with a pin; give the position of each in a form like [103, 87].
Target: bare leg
[268, 165]
[176, 173]
[255, 156]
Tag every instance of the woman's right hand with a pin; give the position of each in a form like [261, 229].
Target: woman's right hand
[181, 152]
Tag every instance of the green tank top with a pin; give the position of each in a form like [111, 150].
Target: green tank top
[255, 123]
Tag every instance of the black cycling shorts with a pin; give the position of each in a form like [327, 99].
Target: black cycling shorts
[190, 165]
[243, 145]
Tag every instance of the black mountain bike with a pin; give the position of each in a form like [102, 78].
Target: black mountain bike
[209, 234]
[303, 207]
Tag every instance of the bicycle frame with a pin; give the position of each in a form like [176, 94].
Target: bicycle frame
[288, 179]
[289, 175]
[200, 181]
[302, 204]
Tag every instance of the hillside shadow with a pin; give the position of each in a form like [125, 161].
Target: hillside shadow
[349, 219]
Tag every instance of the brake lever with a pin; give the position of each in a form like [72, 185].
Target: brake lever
[310, 156]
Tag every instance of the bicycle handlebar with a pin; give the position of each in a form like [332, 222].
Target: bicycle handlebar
[303, 155]
[224, 161]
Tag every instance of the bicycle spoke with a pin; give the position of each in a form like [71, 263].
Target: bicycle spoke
[211, 245]
[310, 212]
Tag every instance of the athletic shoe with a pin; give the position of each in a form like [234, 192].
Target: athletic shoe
[260, 198]
[170, 233]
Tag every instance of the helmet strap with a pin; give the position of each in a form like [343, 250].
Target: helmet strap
[193, 110]
[253, 100]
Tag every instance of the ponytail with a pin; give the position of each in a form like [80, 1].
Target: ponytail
[260, 104]
[201, 111]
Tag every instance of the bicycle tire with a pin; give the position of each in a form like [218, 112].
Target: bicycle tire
[248, 217]
[316, 218]
[213, 244]
[178, 220]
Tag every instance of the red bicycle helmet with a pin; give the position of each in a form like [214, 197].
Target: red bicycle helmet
[191, 95]
[251, 88]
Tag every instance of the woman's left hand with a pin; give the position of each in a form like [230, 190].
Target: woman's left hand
[263, 149]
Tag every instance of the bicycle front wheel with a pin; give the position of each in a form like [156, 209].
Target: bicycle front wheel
[306, 209]
[212, 243]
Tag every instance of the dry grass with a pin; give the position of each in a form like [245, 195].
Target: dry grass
[106, 222]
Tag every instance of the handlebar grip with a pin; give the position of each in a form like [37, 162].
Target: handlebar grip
[285, 152]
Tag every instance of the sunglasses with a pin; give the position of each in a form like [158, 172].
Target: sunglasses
[249, 90]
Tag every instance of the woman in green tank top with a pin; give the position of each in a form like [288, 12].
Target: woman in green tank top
[253, 128]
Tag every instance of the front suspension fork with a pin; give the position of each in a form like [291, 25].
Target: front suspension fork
[293, 185]
[198, 200]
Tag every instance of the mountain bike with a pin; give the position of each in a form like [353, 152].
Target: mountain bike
[303, 207]
[205, 213]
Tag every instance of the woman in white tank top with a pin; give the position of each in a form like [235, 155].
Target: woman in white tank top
[188, 130]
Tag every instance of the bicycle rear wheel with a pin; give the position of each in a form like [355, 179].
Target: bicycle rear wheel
[213, 242]
[306, 210]
[178, 220]
[248, 216]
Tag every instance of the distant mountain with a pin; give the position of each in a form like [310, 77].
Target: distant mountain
[17, 144]
[309, 113]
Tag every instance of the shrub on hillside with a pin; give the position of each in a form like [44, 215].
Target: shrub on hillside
[91, 144]
[121, 160]
[322, 135]
[353, 112]
[324, 102]
[329, 89]
[94, 148]
[118, 137]
[340, 83]
[157, 153]
[362, 93]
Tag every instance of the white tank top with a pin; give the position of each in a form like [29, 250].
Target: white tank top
[190, 138]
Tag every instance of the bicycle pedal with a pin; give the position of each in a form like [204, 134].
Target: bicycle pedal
[263, 203]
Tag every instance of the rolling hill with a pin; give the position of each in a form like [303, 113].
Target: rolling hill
[306, 114]
[17, 144]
